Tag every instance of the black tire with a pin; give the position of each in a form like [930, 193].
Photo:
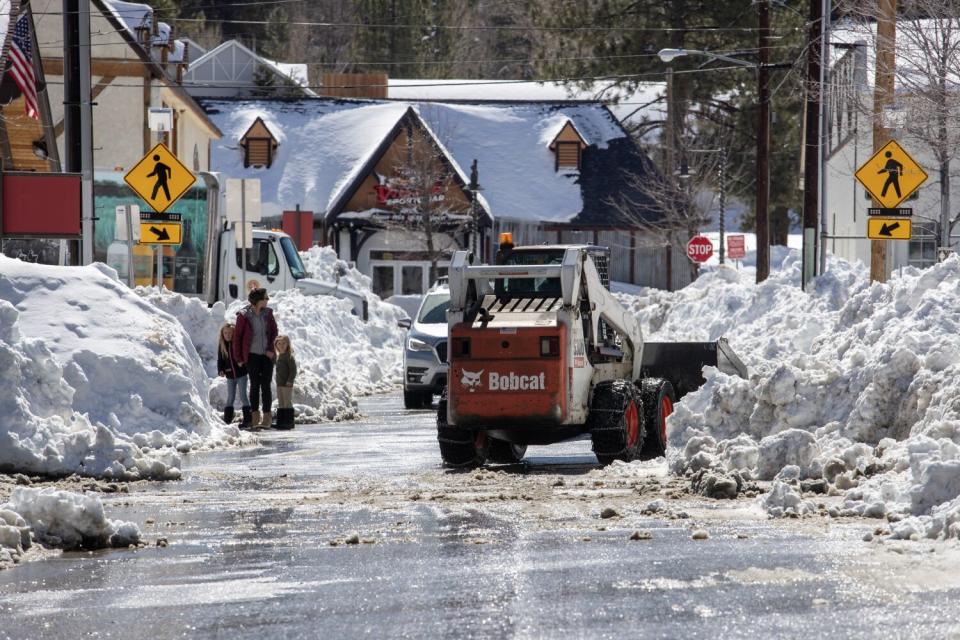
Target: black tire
[460, 448]
[615, 421]
[504, 452]
[417, 399]
[658, 399]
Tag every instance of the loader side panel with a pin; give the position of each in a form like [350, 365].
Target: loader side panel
[501, 377]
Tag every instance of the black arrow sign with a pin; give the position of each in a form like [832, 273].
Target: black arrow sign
[888, 230]
[163, 235]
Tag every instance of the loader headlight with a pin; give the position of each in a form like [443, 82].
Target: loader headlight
[418, 345]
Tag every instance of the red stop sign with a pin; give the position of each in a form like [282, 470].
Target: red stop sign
[699, 249]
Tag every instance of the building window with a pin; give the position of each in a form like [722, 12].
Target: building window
[259, 145]
[567, 147]
[923, 245]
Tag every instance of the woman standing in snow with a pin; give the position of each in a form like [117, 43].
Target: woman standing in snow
[236, 375]
[253, 348]
[286, 373]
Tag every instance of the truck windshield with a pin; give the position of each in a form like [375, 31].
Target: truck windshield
[434, 309]
[531, 286]
[293, 258]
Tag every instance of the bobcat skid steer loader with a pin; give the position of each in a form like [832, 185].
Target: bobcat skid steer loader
[540, 351]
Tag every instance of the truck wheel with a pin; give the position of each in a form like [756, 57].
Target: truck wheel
[615, 421]
[505, 452]
[658, 398]
[417, 399]
[460, 447]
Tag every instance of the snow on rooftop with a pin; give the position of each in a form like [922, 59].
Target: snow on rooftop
[328, 141]
[132, 15]
[629, 105]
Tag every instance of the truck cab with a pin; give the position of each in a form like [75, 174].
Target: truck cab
[274, 264]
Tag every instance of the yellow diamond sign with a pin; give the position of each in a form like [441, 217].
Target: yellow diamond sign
[159, 178]
[891, 175]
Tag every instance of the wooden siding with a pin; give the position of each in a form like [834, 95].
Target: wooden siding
[258, 152]
[568, 155]
[568, 133]
[22, 132]
[355, 85]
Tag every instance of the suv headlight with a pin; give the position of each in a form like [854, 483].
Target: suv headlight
[413, 344]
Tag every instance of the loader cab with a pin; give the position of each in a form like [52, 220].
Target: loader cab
[530, 287]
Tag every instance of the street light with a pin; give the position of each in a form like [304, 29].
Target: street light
[763, 132]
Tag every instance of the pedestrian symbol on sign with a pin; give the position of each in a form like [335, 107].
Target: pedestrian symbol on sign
[159, 178]
[893, 169]
[162, 172]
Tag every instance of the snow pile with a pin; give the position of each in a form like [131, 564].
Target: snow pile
[339, 356]
[60, 519]
[97, 381]
[854, 384]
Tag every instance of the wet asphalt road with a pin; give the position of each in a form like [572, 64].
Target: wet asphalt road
[250, 556]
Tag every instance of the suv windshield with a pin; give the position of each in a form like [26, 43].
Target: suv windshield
[293, 258]
[434, 309]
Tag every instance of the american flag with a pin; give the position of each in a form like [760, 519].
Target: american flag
[21, 68]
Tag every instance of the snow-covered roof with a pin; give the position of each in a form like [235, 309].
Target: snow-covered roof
[137, 17]
[327, 144]
[643, 102]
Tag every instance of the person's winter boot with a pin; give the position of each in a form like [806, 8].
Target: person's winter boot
[247, 418]
[255, 420]
[228, 415]
[267, 420]
[284, 419]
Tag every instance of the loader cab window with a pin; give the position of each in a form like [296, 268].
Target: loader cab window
[547, 287]
[261, 258]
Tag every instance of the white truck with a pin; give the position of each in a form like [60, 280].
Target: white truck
[273, 262]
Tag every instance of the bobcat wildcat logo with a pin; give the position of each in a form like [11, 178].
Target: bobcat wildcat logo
[471, 379]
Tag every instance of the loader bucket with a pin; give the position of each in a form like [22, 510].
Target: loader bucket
[682, 363]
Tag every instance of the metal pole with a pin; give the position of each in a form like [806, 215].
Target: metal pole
[86, 136]
[763, 142]
[243, 234]
[811, 139]
[159, 249]
[127, 210]
[824, 128]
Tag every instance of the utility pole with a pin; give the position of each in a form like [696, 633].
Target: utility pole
[811, 138]
[71, 95]
[883, 96]
[722, 170]
[763, 142]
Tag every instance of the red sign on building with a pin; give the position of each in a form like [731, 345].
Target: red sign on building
[699, 249]
[736, 247]
[40, 205]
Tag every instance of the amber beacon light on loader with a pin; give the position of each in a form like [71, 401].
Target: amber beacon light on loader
[540, 351]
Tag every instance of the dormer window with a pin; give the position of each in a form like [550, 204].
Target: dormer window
[259, 145]
[567, 147]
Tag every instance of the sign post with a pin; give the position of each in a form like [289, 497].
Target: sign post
[243, 205]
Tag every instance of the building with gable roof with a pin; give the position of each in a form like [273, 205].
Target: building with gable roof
[547, 171]
[231, 70]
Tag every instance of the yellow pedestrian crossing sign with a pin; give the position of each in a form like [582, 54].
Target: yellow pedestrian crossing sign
[159, 178]
[891, 175]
